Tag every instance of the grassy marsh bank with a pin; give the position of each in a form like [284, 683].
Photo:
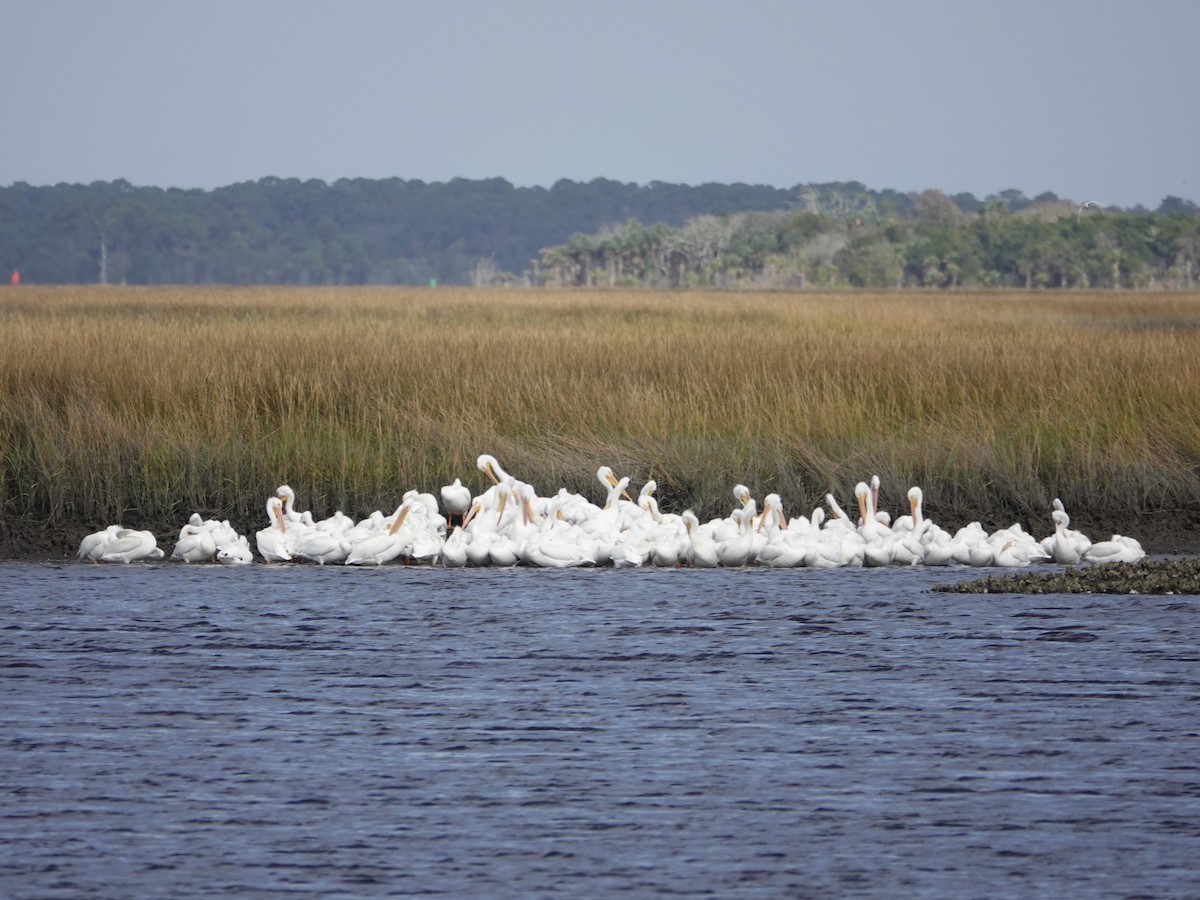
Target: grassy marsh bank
[141, 405]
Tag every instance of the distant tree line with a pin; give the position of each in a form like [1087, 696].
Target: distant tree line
[599, 233]
[934, 243]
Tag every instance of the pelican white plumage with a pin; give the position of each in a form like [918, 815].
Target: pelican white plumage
[454, 550]
[322, 546]
[490, 466]
[703, 552]
[288, 496]
[878, 536]
[236, 553]
[195, 543]
[383, 546]
[646, 501]
[1117, 549]
[456, 500]
[92, 546]
[739, 550]
[783, 547]
[129, 545]
[1076, 538]
[272, 540]
[881, 516]
[670, 543]
[1061, 545]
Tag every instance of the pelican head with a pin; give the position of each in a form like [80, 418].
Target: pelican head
[915, 498]
[490, 466]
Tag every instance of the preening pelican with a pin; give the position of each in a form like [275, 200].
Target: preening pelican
[92, 546]
[236, 554]
[382, 547]
[195, 544]
[1118, 549]
[131, 546]
[490, 466]
[272, 540]
[703, 552]
[288, 496]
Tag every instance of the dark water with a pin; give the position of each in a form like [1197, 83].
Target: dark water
[175, 731]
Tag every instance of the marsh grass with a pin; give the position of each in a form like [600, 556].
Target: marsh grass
[143, 404]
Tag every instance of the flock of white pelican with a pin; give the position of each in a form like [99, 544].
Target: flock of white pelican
[509, 525]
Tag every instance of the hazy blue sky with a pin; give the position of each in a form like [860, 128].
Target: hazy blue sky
[1091, 99]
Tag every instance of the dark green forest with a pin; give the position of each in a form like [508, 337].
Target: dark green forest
[599, 233]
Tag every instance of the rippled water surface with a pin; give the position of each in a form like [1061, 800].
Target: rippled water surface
[175, 731]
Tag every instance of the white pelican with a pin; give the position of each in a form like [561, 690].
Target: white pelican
[338, 523]
[1062, 546]
[1118, 549]
[272, 540]
[739, 550]
[880, 516]
[288, 496]
[456, 500]
[703, 552]
[454, 550]
[235, 554]
[1080, 540]
[490, 466]
[608, 479]
[647, 502]
[131, 546]
[322, 546]
[783, 548]
[92, 546]
[915, 513]
[670, 542]
[384, 546]
[195, 543]
[878, 549]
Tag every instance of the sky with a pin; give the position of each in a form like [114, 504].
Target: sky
[1090, 99]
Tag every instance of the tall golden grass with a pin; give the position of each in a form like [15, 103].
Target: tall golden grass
[144, 404]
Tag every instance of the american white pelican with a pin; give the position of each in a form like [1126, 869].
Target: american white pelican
[454, 550]
[783, 548]
[703, 552]
[881, 516]
[456, 500]
[321, 546]
[670, 543]
[235, 554]
[608, 478]
[195, 544]
[131, 546]
[1118, 549]
[338, 523]
[1078, 539]
[92, 546]
[490, 466]
[739, 550]
[272, 540]
[288, 496]
[877, 535]
[383, 546]
[1061, 546]
[647, 502]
